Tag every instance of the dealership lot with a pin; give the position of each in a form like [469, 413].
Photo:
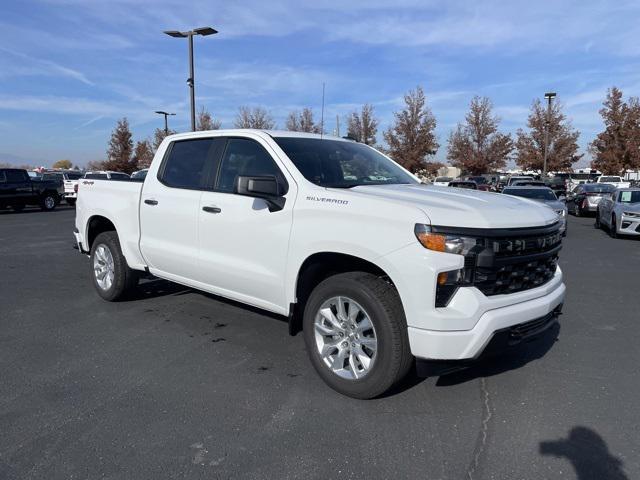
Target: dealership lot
[178, 383]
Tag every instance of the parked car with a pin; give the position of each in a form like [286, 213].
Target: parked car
[558, 185]
[68, 180]
[18, 189]
[140, 175]
[517, 178]
[442, 181]
[619, 211]
[463, 184]
[585, 197]
[482, 183]
[545, 195]
[107, 175]
[373, 266]
[614, 180]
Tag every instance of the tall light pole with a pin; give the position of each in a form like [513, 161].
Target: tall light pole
[204, 31]
[166, 124]
[549, 96]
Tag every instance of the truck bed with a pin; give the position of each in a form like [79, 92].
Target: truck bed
[118, 202]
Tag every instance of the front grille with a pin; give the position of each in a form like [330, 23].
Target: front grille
[506, 261]
[515, 277]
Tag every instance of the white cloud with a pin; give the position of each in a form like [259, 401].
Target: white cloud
[38, 66]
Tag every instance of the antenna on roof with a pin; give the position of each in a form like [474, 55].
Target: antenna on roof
[322, 114]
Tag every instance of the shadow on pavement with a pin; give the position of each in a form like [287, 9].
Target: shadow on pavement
[588, 453]
[35, 209]
[513, 358]
[156, 288]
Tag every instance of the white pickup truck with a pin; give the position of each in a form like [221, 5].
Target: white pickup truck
[614, 180]
[374, 267]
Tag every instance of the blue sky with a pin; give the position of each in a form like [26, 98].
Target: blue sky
[70, 68]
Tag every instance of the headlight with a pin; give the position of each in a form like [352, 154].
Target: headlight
[631, 214]
[561, 213]
[439, 242]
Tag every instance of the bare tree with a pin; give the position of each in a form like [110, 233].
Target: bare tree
[302, 121]
[256, 117]
[563, 140]
[143, 154]
[477, 146]
[363, 126]
[159, 135]
[120, 149]
[411, 139]
[206, 122]
[96, 165]
[617, 147]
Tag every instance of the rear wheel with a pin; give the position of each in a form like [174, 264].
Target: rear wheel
[48, 202]
[356, 334]
[613, 229]
[112, 277]
[577, 211]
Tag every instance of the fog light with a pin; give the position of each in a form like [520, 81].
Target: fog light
[447, 285]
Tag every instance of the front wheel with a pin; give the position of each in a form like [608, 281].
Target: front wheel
[356, 334]
[112, 277]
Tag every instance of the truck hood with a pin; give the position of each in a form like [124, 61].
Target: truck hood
[459, 207]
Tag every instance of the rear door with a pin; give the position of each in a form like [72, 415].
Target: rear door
[243, 245]
[20, 186]
[169, 206]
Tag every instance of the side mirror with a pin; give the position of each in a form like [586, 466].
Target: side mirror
[265, 187]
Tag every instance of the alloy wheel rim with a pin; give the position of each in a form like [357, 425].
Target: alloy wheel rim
[103, 267]
[49, 202]
[345, 338]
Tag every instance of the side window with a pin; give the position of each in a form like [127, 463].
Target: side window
[245, 157]
[189, 162]
[16, 176]
[3, 178]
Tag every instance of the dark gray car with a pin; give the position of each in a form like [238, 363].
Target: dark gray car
[543, 195]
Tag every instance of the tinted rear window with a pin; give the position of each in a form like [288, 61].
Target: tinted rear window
[120, 176]
[96, 176]
[188, 162]
[598, 188]
[74, 176]
[534, 193]
[16, 175]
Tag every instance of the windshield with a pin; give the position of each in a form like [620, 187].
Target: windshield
[630, 196]
[340, 164]
[534, 193]
[478, 180]
[594, 187]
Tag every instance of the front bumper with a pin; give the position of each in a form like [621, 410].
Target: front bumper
[469, 344]
[629, 225]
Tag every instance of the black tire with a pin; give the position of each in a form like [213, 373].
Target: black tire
[71, 202]
[48, 202]
[577, 210]
[597, 223]
[613, 232]
[17, 208]
[382, 303]
[125, 279]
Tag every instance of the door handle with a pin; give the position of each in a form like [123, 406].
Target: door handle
[150, 201]
[212, 209]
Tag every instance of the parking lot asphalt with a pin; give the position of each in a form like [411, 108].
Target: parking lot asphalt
[181, 384]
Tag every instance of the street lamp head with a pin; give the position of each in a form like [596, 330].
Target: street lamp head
[160, 112]
[175, 33]
[550, 95]
[204, 31]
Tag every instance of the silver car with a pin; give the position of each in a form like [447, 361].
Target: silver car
[620, 212]
[543, 195]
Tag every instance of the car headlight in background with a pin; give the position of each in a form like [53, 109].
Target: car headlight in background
[446, 243]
